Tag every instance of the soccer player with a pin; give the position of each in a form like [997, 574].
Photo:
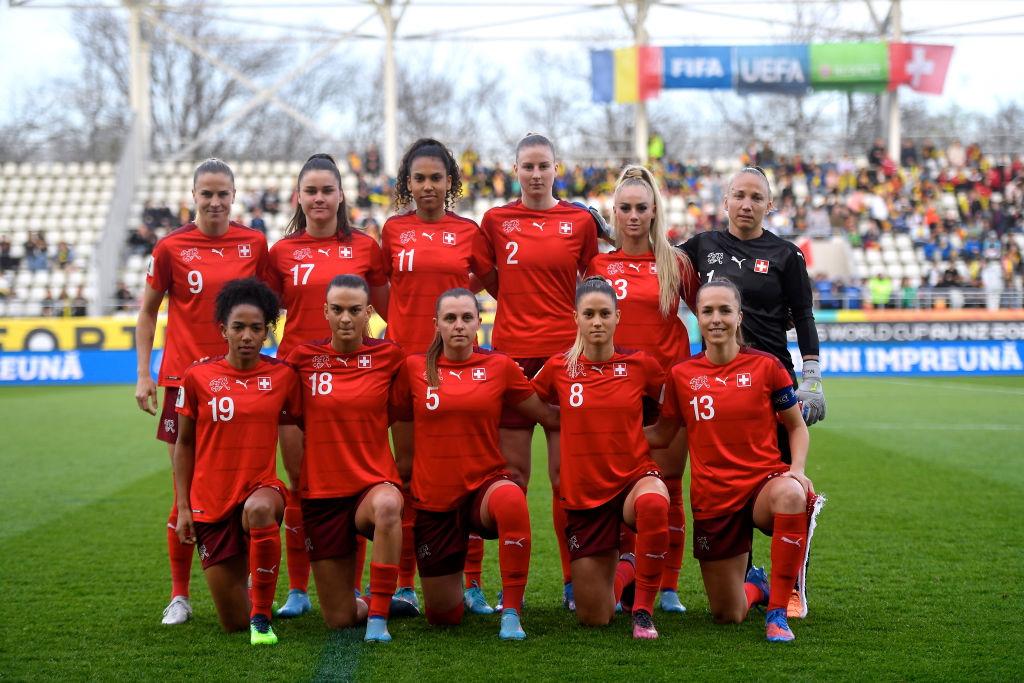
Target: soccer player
[460, 483]
[345, 477]
[189, 266]
[607, 474]
[727, 399]
[427, 251]
[538, 247]
[771, 275]
[230, 501]
[319, 243]
[648, 276]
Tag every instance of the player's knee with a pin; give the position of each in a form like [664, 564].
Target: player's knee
[594, 615]
[790, 499]
[387, 510]
[339, 618]
[728, 615]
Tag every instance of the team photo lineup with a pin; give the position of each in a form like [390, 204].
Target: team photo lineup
[420, 442]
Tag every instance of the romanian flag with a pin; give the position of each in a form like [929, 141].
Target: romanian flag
[632, 74]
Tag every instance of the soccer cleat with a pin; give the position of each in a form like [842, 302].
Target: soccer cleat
[511, 629]
[178, 612]
[670, 601]
[776, 628]
[260, 632]
[796, 609]
[377, 631]
[757, 576]
[629, 591]
[408, 593]
[475, 601]
[568, 599]
[643, 625]
[401, 608]
[296, 605]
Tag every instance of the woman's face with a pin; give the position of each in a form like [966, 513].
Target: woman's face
[747, 202]
[535, 170]
[596, 317]
[429, 183]
[718, 315]
[348, 313]
[458, 322]
[319, 195]
[634, 211]
[213, 195]
[245, 331]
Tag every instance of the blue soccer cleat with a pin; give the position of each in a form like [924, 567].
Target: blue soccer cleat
[297, 604]
[408, 593]
[776, 628]
[568, 599]
[511, 629]
[377, 631]
[475, 601]
[757, 577]
[670, 601]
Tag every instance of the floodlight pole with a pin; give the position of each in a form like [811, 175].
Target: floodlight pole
[387, 15]
[139, 100]
[640, 39]
[895, 143]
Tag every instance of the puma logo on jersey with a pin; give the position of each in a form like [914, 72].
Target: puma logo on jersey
[791, 541]
[725, 382]
[739, 261]
[598, 370]
[660, 556]
[428, 235]
[634, 266]
[539, 225]
[261, 570]
[243, 382]
[341, 360]
[218, 252]
[519, 543]
[456, 374]
[325, 252]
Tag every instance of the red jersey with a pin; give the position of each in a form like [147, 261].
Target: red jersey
[730, 426]
[643, 326]
[236, 413]
[422, 260]
[456, 424]
[539, 256]
[345, 400]
[301, 267]
[603, 443]
[191, 268]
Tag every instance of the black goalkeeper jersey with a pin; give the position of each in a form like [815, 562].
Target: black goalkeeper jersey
[771, 274]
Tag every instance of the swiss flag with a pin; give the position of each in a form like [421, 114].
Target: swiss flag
[922, 67]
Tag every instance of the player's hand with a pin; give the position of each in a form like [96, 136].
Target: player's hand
[145, 394]
[810, 393]
[603, 231]
[806, 483]
[185, 529]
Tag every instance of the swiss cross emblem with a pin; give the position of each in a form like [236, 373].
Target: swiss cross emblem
[364, 360]
[565, 228]
[652, 268]
[245, 250]
[743, 379]
[479, 374]
[264, 383]
[344, 252]
[761, 266]
[619, 369]
[448, 237]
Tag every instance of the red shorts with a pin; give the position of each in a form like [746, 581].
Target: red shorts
[330, 525]
[441, 538]
[220, 541]
[593, 531]
[719, 538]
[510, 417]
[167, 428]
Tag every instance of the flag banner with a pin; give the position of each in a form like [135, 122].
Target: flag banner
[922, 67]
[602, 75]
[692, 66]
[862, 67]
[782, 69]
[649, 72]
[627, 77]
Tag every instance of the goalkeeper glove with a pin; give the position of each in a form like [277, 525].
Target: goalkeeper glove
[810, 393]
[603, 231]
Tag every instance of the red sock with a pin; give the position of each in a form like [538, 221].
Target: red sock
[449, 618]
[407, 565]
[383, 579]
[627, 539]
[507, 506]
[264, 558]
[474, 559]
[625, 574]
[651, 547]
[561, 520]
[180, 555]
[295, 547]
[360, 562]
[789, 540]
[754, 594]
[676, 536]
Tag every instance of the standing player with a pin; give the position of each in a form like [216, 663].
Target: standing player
[426, 252]
[771, 274]
[607, 473]
[190, 265]
[727, 398]
[230, 501]
[346, 477]
[538, 246]
[319, 243]
[460, 483]
[648, 276]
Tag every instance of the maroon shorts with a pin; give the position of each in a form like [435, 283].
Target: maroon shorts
[720, 538]
[441, 538]
[510, 417]
[330, 525]
[220, 541]
[167, 428]
[593, 531]
[286, 418]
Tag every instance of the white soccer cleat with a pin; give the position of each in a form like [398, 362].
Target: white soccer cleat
[178, 612]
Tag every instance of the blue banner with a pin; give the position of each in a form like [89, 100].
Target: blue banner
[602, 75]
[693, 66]
[782, 69]
[940, 358]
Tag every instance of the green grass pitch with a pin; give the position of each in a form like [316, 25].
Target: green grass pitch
[916, 568]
